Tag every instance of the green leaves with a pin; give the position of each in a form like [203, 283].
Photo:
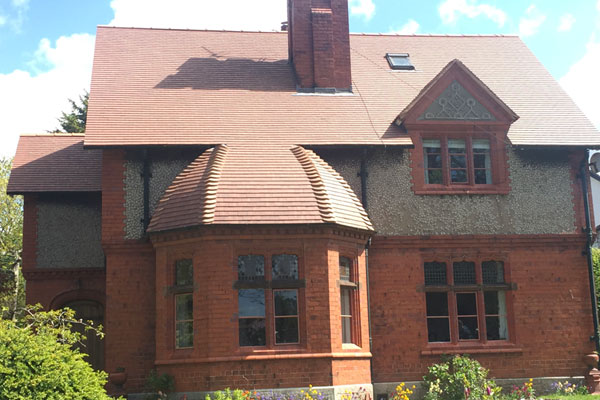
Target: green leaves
[74, 122]
[38, 359]
[11, 239]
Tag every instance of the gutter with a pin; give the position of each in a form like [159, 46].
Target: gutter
[588, 247]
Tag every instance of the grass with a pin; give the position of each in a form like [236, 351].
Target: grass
[575, 397]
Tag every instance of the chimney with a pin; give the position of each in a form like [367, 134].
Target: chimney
[319, 44]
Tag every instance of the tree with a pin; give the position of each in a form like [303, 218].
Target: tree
[12, 295]
[39, 359]
[74, 122]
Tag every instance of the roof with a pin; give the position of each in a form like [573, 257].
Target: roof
[155, 86]
[235, 184]
[55, 163]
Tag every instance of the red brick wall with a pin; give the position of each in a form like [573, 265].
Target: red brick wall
[217, 361]
[551, 306]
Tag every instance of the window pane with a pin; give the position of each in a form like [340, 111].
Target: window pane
[286, 330]
[438, 330]
[345, 269]
[458, 175]
[251, 267]
[345, 299]
[456, 146]
[434, 176]
[184, 307]
[466, 303]
[252, 332]
[184, 272]
[432, 146]
[285, 266]
[346, 329]
[251, 303]
[495, 302]
[458, 161]
[497, 328]
[286, 302]
[479, 160]
[437, 304]
[482, 176]
[467, 328]
[493, 272]
[481, 145]
[464, 273]
[184, 334]
[434, 161]
[435, 273]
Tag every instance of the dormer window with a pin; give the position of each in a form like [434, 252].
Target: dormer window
[399, 61]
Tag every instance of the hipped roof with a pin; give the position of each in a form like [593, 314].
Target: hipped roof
[180, 87]
[55, 163]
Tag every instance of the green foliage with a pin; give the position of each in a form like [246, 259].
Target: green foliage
[38, 359]
[74, 122]
[227, 394]
[12, 293]
[567, 388]
[596, 268]
[523, 392]
[159, 385]
[459, 378]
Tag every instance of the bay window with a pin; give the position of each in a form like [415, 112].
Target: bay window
[268, 308]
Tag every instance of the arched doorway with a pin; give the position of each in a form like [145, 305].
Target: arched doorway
[93, 345]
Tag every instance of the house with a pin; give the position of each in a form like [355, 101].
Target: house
[273, 210]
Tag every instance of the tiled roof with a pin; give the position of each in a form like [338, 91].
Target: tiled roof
[55, 163]
[153, 86]
[267, 184]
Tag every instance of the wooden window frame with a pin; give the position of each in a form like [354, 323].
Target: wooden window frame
[453, 130]
[352, 286]
[270, 286]
[479, 288]
[179, 290]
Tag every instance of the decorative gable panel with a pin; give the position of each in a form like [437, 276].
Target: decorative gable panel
[456, 103]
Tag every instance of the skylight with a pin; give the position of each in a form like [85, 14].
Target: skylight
[399, 61]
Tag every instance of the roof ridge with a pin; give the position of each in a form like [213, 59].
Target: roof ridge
[316, 182]
[149, 28]
[53, 134]
[214, 168]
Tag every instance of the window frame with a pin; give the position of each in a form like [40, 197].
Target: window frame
[497, 154]
[270, 286]
[479, 288]
[352, 287]
[181, 290]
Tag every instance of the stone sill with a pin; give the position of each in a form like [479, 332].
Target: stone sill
[435, 351]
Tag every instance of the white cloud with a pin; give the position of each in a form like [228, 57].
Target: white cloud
[31, 103]
[451, 10]
[532, 21]
[566, 22]
[410, 28]
[265, 15]
[581, 85]
[2, 20]
[365, 8]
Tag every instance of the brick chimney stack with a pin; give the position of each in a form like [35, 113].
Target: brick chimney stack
[319, 44]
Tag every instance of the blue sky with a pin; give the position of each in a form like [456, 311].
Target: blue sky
[46, 47]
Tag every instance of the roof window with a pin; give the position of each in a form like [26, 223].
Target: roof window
[399, 61]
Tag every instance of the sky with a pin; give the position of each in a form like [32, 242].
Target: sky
[46, 47]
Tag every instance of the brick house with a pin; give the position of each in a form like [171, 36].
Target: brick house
[273, 210]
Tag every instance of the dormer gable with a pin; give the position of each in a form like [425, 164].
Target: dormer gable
[456, 95]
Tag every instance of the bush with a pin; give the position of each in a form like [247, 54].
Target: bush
[38, 359]
[459, 378]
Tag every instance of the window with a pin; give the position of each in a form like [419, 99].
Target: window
[466, 301]
[184, 304]
[256, 296]
[348, 298]
[399, 61]
[459, 163]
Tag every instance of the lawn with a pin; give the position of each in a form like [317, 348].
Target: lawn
[575, 397]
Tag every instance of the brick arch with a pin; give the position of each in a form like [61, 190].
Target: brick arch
[78, 294]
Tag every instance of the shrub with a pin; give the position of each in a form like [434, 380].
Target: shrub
[38, 359]
[459, 378]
